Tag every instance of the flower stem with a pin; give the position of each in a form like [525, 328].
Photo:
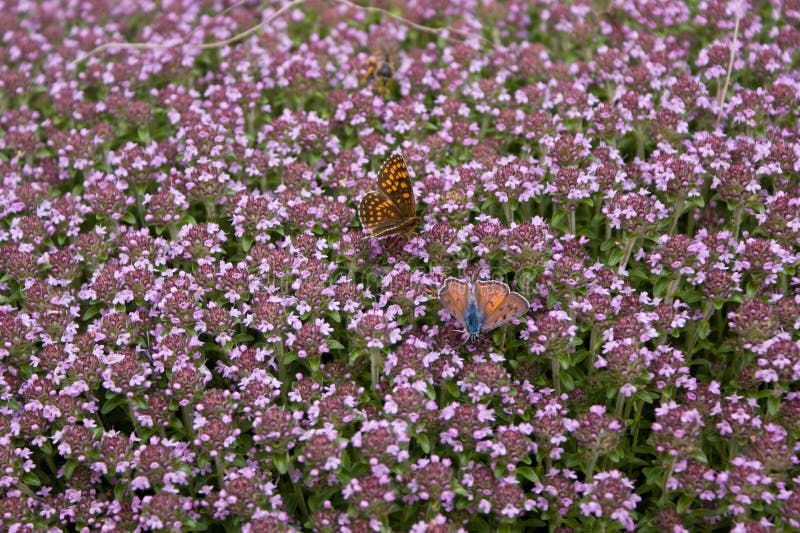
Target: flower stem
[187, 421]
[300, 499]
[672, 288]
[374, 363]
[676, 214]
[220, 470]
[708, 310]
[283, 372]
[626, 255]
[667, 474]
[509, 212]
[737, 219]
[556, 368]
[723, 93]
[571, 215]
[593, 345]
[590, 466]
[640, 142]
[620, 405]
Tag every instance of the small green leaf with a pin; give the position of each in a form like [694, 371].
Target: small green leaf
[527, 473]
[130, 218]
[702, 329]
[69, 468]
[683, 503]
[243, 338]
[90, 313]
[608, 245]
[615, 257]
[423, 442]
[112, 403]
[281, 462]
[333, 344]
[452, 389]
[30, 479]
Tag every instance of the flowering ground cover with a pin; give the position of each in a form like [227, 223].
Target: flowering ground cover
[197, 333]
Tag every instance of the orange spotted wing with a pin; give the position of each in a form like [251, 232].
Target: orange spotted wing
[498, 304]
[392, 208]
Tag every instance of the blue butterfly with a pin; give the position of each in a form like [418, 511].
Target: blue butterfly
[481, 306]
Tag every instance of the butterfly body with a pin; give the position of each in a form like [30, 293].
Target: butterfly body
[392, 208]
[473, 318]
[481, 306]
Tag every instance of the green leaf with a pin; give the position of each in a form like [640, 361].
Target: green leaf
[608, 245]
[527, 473]
[452, 389]
[702, 329]
[243, 338]
[119, 491]
[683, 503]
[112, 403]
[423, 442]
[90, 313]
[69, 468]
[281, 462]
[345, 461]
[566, 381]
[47, 447]
[30, 479]
[130, 218]
[333, 344]
[697, 201]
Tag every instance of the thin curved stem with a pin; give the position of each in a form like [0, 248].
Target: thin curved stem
[442, 32]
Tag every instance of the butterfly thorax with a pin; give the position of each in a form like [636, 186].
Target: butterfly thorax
[473, 318]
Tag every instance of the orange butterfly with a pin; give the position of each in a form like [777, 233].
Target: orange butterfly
[483, 305]
[392, 208]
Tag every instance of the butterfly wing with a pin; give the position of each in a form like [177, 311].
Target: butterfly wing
[498, 304]
[454, 295]
[394, 182]
[379, 214]
[511, 307]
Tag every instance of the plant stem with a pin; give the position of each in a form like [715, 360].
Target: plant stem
[626, 254]
[737, 219]
[593, 345]
[708, 310]
[187, 421]
[672, 288]
[590, 466]
[374, 362]
[571, 215]
[509, 212]
[667, 474]
[556, 368]
[640, 142]
[676, 214]
[619, 406]
[220, 471]
[283, 372]
[724, 91]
